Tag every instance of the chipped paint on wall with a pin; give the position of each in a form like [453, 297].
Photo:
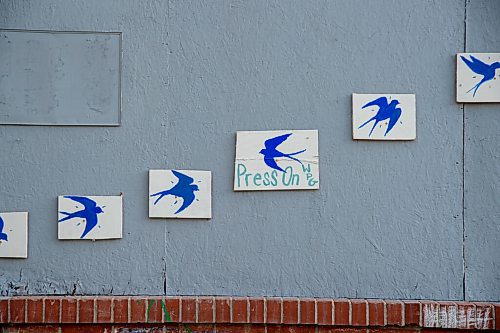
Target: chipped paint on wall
[454, 316]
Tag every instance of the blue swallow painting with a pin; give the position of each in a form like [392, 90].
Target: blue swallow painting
[271, 152]
[14, 235]
[385, 111]
[89, 213]
[276, 160]
[487, 71]
[3, 235]
[183, 189]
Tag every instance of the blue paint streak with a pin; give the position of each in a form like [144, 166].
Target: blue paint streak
[270, 152]
[184, 189]
[89, 213]
[3, 235]
[385, 111]
[481, 68]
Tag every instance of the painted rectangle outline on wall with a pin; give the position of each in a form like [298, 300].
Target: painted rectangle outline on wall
[119, 83]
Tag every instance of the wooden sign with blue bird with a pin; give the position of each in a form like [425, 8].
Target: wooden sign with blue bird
[478, 77]
[90, 217]
[14, 235]
[383, 117]
[276, 160]
[180, 194]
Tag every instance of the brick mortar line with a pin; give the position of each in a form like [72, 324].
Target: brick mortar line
[77, 315]
[180, 309]
[94, 317]
[315, 312]
[281, 308]
[129, 311]
[494, 316]
[60, 310]
[350, 312]
[196, 307]
[421, 314]
[298, 309]
[265, 312]
[112, 311]
[385, 312]
[248, 310]
[214, 310]
[367, 313]
[26, 311]
[474, 316]
[403, 314]
[162, 314]
[333, 311]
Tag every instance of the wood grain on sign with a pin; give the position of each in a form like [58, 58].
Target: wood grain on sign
[384, 117]
[478, 77]
[276, 160]
[90, 217]
[180, 194]
[14, 235]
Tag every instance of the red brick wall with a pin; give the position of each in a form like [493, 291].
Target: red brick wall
[242, 314]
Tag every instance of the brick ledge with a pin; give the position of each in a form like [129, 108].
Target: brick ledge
[246, 312]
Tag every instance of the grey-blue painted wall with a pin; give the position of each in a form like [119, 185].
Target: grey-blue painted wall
[388, 221]
[482, 167]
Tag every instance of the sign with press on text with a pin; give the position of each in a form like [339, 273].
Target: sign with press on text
[276, 160]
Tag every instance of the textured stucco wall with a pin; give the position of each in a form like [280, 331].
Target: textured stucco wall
[482, 166]
[388, 219]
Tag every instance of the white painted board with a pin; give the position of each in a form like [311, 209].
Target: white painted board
[180, 194]
[90, 217]
[384, 117]
[276, 160]
[478, 77]
[14, 235]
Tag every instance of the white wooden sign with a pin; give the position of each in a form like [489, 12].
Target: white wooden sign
[478, 77]
[90, 217]
[14, 235]
[276, 160]
[384, 117]
[180, 194]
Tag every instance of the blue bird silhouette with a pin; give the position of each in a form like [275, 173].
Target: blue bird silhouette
[385, 111]
[271, 153]
[479, 67]
[3, 235]
[184, 189]
[89, 213]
